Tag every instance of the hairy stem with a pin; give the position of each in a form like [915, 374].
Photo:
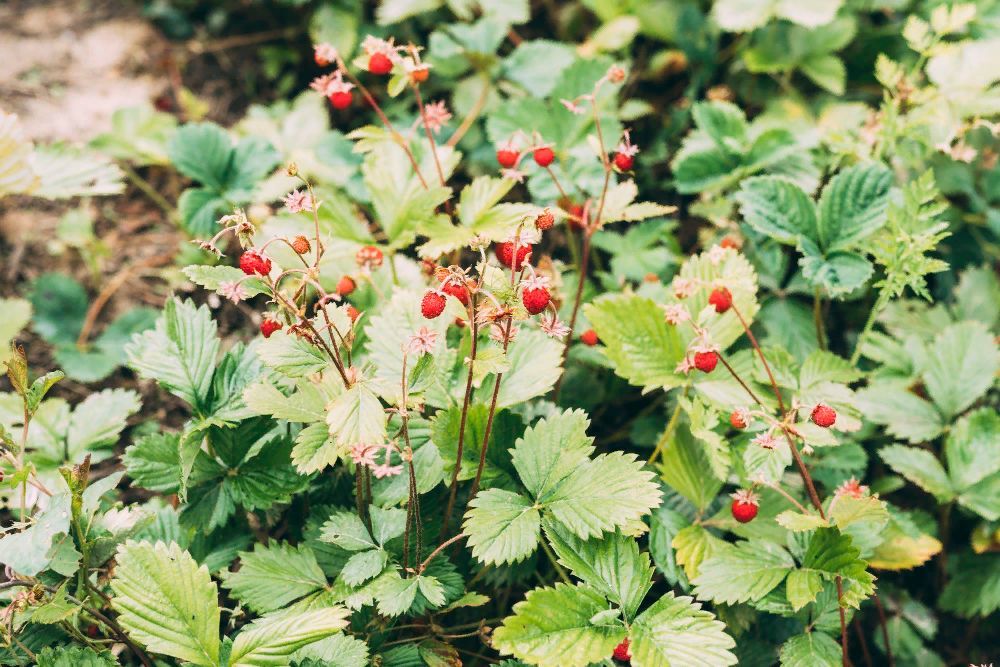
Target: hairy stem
[453, 490]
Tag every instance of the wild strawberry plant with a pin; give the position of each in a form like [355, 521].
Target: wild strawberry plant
[485, 410]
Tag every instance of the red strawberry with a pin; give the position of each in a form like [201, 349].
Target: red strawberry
[823, 415]
[706, 361]
[743, 510]
[589, 337]
[505, 253]
[576, 216]
[432, 304]
[353, 313]
[544, 156]
[460, 292]
[249, 261]
[341, 100]
[721, 298]
[730, 242]
[379, 63]
[345, 285]
[369, 255]
[263, 265]
[268, 326]
[507, 157]
[622, 652]
[300, 244]
[545, 220]
[624, 162]
[535, 300]
[737, 419]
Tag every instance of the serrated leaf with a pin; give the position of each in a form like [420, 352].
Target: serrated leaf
[920, 467]
[37, 547]
[973, 465]
[273, 575]
[801, 588]
[974, 588]
[180, 352]
[291, 356]
[799, 522]
[269, 641]
[551, 628]
[778, 208]
[813, 649]
[904, 414]
[503, 527]
[853, 205]
[395, 595]
[347, 531]
[362, 566]
[357, 417]
[832, 553]
[961, 365]
[166, 602]
[74, 656]
[693, 545]
[745, 572]
[551, 450]
[683, 467]
[676, 631]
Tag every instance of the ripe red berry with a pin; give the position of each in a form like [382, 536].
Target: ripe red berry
[744, 511]
[622, 652]
[576, 216]
[505, 253]
[341, 100]
[345, 285]
[459, 291]
[721, 298]
[543, 156]
[737, 420]
[269, 326]
[545, 220]
[824, 415]
[369, 256]
[300, 244]
[624, 162]
[507, 157]
[589, 337]
[535, 300]
[248, 262]
[705, 361]
[730, 242]
[379, 63]
[432, 304]
[420, 75]
[353, 313]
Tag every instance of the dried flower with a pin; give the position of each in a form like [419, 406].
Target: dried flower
[422, 342]
[297, 201]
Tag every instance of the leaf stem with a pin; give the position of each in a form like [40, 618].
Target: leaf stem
[668, 432]
[555, 562]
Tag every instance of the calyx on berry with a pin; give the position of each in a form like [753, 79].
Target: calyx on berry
[457, 290]
[535, 299]
[745, 505]
[739, 419]
[301, 245]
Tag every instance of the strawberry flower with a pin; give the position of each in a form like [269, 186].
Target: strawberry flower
[852, 488]
[553, 326]
[436, 115]
[233, 290]
[324, 54]
[422, 342]
[297, 201]
[675, 313]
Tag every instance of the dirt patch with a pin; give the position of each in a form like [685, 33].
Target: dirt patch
[68, 65]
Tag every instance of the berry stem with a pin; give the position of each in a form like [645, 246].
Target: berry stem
[555, 180]
[385, 119]
[489, 420]
[777, 487]
[743, 384]
[760, 353]
[584, 255]
[441, 547]
[885, 629]
[453, 490]
[427, 131]
[477, 108]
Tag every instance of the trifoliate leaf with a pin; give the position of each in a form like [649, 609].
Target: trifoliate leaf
[503, 527]
[778, 208]
[291, 356]
[394, 595]
[551, 450]
[693, 545]
[745, 572]
[346, 530]
[676, 631]
[799, 522]
[831, 553]
[166, 602]
[357, 417]
[272, 576]
[551, 628]
[362, 566]
[853, 205]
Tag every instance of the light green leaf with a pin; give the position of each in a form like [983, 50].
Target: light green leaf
[831, 553]
[212, 277]
[100, 418]
[274, 575]
[551, 450]
[535, 365]
[846, 510]
[17, 314]
[973, 464]
[363, 566]
[799, 522]
[272, 639]
[551, 628]
[503, 527]
[974, 588]
[166, 602]
[315, 449]
[813, 649]
[920, 467]
[347, 531]
[395, 595]
[357, 417]
[693, 544]
[962, 363]
[642, 347]
[826, 70]
[778, 208]
[684, 468]
[801, 588]
[904, 414]
[180, 352]
[676, 631]
[744, 572]
[291, 356]
[36, 548]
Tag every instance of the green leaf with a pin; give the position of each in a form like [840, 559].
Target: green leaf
[180, 352]
[315, 450]
[60, 305]
[40, 546]
[291, 356]
[200, 209]
[904, 414]
[853, 205]
[536, 64]
[272, 639]
[612, 565]
[339, 650]
[503, 527]
[356, 417]
[203, 152]
[273, 575]
[827, 71]
[139, 134]
[17, 314]
[362, 566]
[745, 572]
[431, 589]
[973, 464]
[839, 272]
[551, 627]
[100, 418]
[778, 208]
[551, 450]
[962, 363]
[395, 595]
[684, 468]
[813, 649]
[799, 522]
[831, 553]
[677, 631]
[346, 530]
[74, 656]
[65, 172]
[166, 602]
[920, 467]
[723, 123]
[535, 364]
[693, 545]
[212, 277]
[974, 586]
[642, 347]
[801, 588]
